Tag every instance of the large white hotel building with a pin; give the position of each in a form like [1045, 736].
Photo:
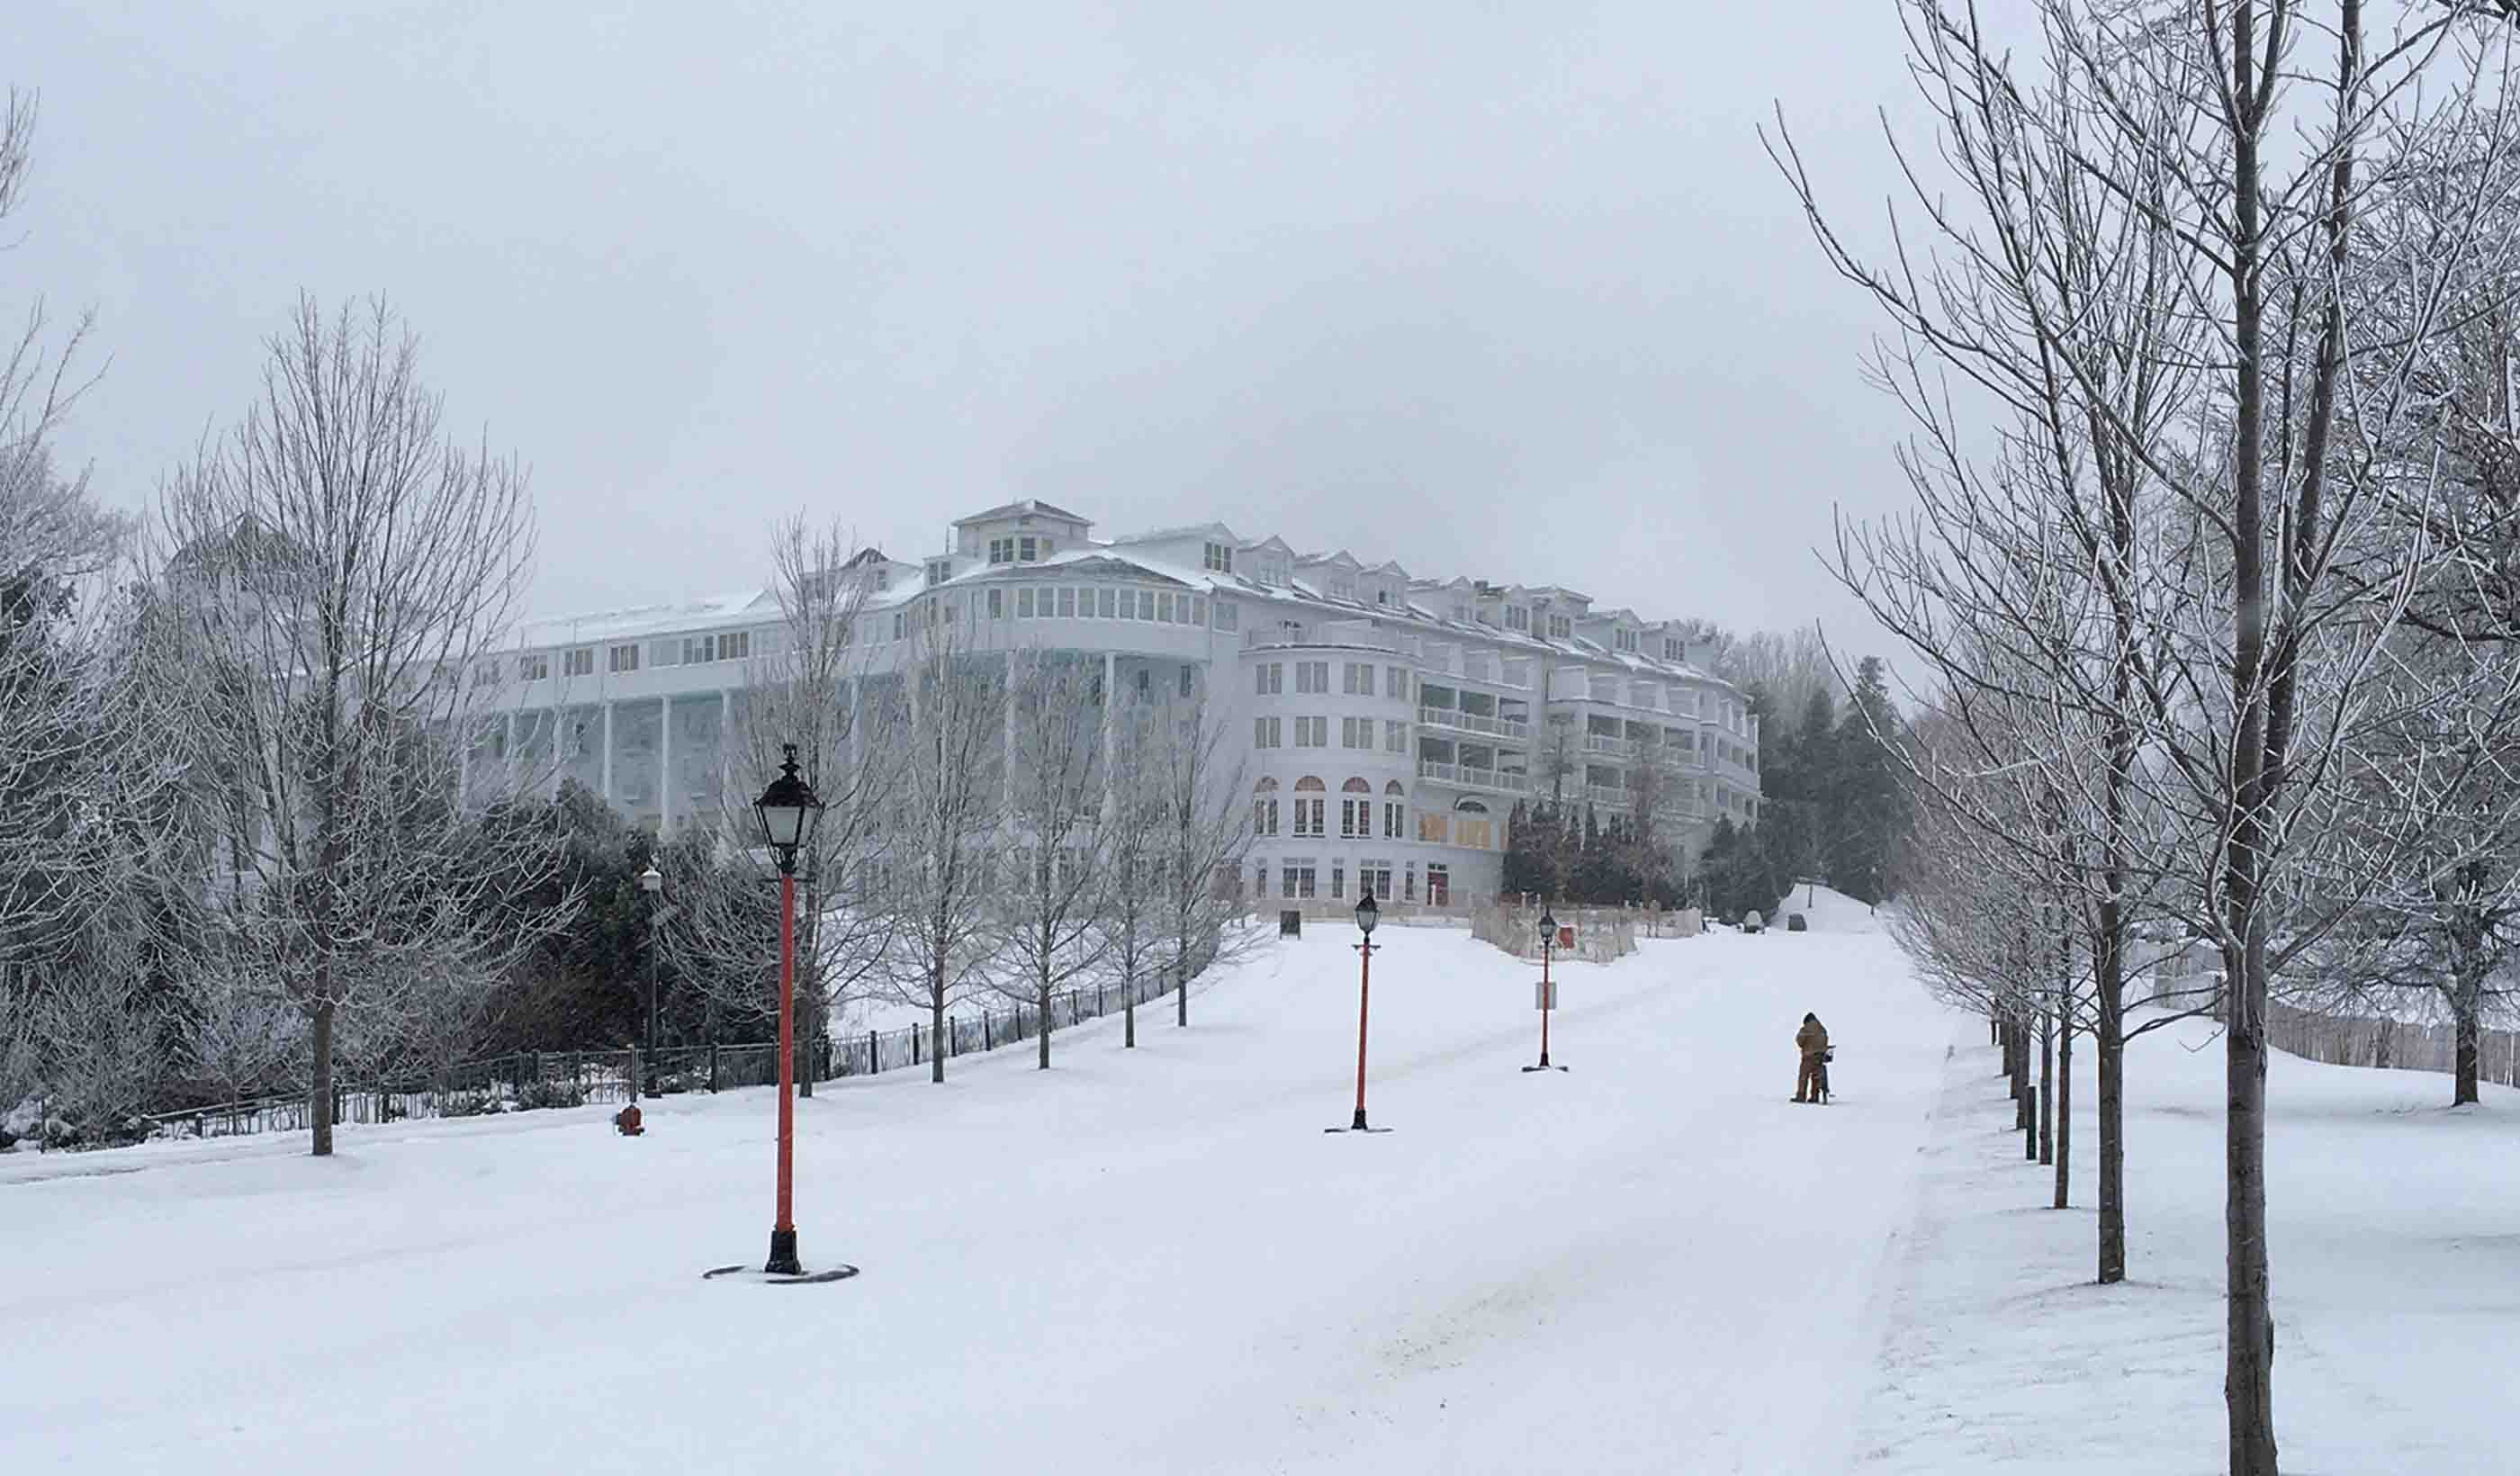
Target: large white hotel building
[1391, 723]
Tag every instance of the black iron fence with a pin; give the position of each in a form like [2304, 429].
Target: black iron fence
[530, 1080]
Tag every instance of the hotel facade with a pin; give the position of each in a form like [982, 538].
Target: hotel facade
[1386, 725]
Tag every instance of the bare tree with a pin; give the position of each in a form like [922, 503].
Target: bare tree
[943, 826]
[340, 566]
[1200, 775]
[807, 689]
[1059, 821]
[1136, 912]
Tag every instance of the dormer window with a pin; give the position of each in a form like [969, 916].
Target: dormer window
[939, 571]
[1623, 640]
[1561, 627]
[1517, 617]
[1219, 558]
[1028, 549]
[1001, 550]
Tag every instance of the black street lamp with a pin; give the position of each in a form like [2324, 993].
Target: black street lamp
[1367, 916]
[1548, 989]
[652, 882]
[788, 812]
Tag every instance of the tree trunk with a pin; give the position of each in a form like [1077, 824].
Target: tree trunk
[1043, 993]
[319, 1092]
[2047, 1088]
[1180, 990]
[2248, 1383]
[2464, 1071]
[2065, 1113]
[2108, 1034]
[1129, 1012]
[936, 1024]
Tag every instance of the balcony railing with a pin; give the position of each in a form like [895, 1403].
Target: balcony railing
[1594, 743]
[1501, 780]
[1471, 722]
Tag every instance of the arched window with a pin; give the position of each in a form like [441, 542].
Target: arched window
[1312, 813]
[1472, 807]
[1395, 813]
[1356, 814]
[1264, 807]
[1472, 827]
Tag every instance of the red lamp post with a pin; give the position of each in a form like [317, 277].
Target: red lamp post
[788, 812]
[1367, 916]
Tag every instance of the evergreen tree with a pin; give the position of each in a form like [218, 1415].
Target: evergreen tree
[1865, 796]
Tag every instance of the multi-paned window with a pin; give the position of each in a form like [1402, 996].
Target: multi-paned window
[1264, 808]
[1311, 815]
[1623, 640]
[939, 571]
[1269, 678]
[1312, 677]
[1561, 627]
[1219, 557]
[533, 668]
[1103, 602]
[578, 664]
[622, 658]
[1265, 732]
[1356, 678]
[724, 645]
[1517, 617]
[1373, 878]
[1313, 732]
[1395, 737]
[1356, 732]
[1395, 682]
[1229, 615]
[1298, 876]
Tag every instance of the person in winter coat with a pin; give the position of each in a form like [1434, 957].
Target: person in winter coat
[1811, 1040]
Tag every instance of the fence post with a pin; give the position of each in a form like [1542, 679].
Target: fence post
[2030, 1124]
[988, 1029]
[874, 1058]
[952, 1034]
[712, 1067]
[913, 1045]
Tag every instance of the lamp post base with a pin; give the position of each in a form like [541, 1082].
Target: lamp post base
[765, 1279]
[1357, 1126]
[782, 1255]
[1543, 1067]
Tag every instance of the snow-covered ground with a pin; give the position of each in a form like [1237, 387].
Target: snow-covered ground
[2395, 1227]
[1155, 1260]
[1148, 1261]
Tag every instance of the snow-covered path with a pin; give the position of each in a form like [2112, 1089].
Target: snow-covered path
[1148, 1261]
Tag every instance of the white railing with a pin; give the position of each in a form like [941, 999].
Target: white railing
[1594, 743]
[1471, 722]
[1497, 780]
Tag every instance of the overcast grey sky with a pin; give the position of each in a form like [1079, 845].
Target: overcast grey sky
[1506, 290]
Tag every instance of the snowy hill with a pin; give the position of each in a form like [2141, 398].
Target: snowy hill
[1827, 910]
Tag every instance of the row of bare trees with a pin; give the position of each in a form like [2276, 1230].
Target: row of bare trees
[2202, 314]
[999, 822]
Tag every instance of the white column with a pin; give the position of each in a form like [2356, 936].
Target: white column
[1111, 727]
[607, 754]
[1007, 721]
[725, 743]
[665, 764]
